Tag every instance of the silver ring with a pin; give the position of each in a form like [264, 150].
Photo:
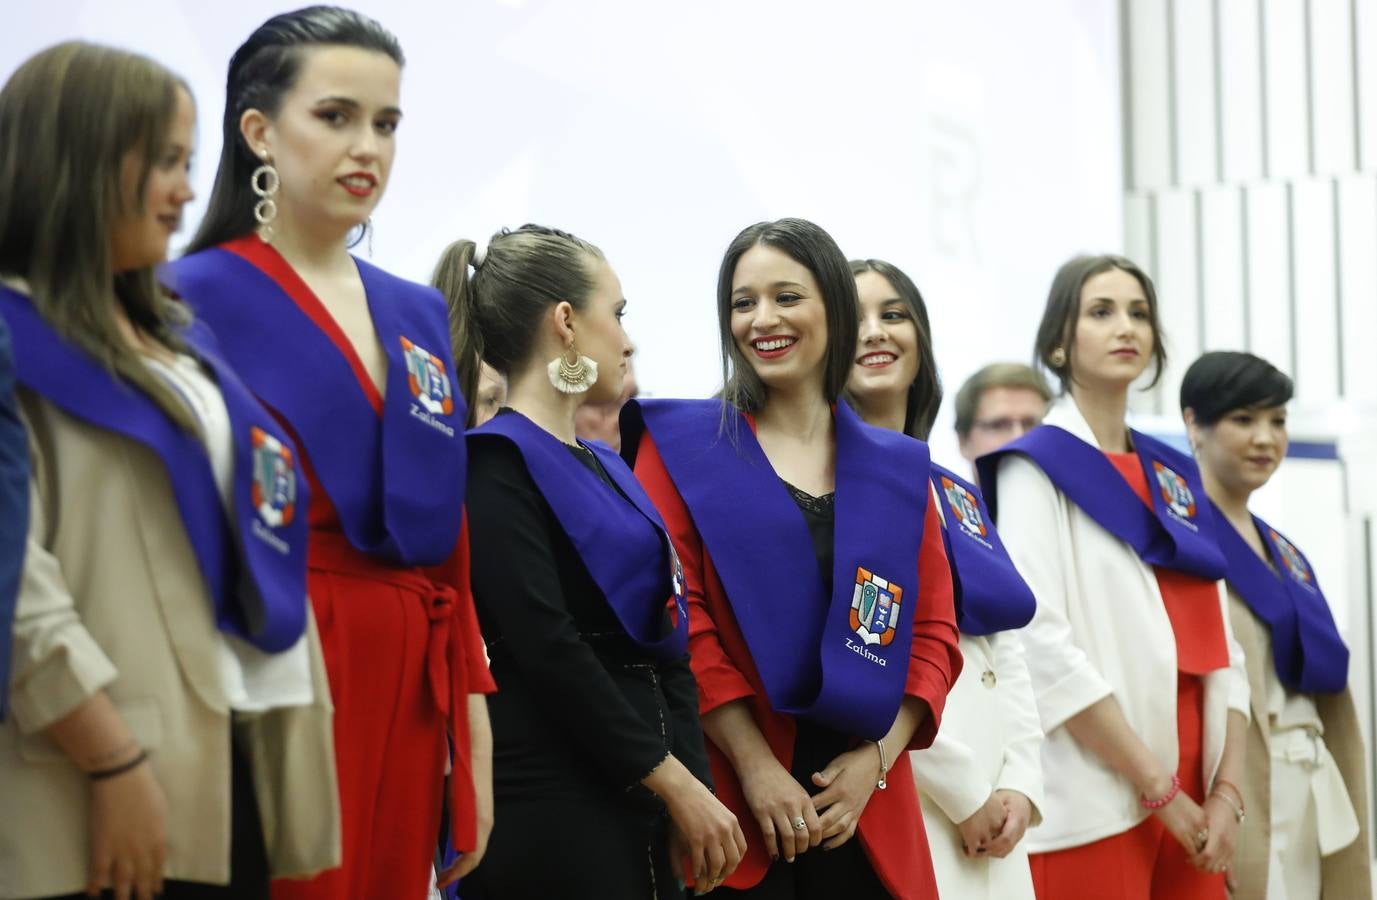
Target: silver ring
[799, 824]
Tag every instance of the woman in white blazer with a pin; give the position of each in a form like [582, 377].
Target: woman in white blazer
[1139, 682]
[980, 783]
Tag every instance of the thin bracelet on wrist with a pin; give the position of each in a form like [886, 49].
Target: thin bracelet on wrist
[1236, 807]
[103, 774]
[884, 766]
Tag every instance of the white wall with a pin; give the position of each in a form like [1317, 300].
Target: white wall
[1251, 194]
[974, 144]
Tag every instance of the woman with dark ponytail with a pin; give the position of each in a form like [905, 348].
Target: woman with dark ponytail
[357, 364]
[601, 780]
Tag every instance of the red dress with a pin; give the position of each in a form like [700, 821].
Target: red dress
[403, 653]
[891, 827]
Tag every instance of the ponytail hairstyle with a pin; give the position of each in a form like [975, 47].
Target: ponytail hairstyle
[496, 300]
[811, 247]
[69, 118]
[925, 394]
[262, 71]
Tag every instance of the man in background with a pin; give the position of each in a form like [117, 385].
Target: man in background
[997, 404]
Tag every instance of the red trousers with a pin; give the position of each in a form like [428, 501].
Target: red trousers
[390, 744]
[1145, 862]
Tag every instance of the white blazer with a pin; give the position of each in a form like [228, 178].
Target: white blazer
[989, 740]
[1100, 629]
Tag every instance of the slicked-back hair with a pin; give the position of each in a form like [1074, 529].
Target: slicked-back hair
[811, 247]
[494, 307]
[261, 72]
[1058, 326]
[1222, 381]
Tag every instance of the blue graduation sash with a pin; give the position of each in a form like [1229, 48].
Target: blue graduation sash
[1177, 533]
[398, 483]
[842, 660]
[253, 560]
[14, 507]
[1309, 654]
[624, 545]
[992, 596]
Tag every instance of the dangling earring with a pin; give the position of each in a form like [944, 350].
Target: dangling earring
[368, 229]
[1057, 358]
[571, 373]
[265, 183]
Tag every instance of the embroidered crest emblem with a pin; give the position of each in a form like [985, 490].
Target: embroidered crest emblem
[875, 608]
[425, 375]
[274, 481]
[1292, 561]
[1175, 491]
[964, 507]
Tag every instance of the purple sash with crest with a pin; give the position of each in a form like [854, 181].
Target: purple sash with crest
[990, 594]
[396, 479]
[623, 544]
[1177, 533]
[842, 660]
[1309, 654]
[253, 558]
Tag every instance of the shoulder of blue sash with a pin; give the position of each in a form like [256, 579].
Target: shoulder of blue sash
[1033, 445]
[396, 285]
[699, 422]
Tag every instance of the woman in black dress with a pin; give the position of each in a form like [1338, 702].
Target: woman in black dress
[600, 774]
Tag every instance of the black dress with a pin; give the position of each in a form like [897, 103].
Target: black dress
[582, 713]
[817, 874]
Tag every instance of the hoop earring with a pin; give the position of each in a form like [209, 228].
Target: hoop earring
[572, 376]
[1057, 358]
[265, 183]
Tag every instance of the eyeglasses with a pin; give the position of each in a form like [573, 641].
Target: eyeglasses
[1006, 424]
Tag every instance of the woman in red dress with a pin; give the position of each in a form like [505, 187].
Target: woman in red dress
[356, 363]
[821, 625]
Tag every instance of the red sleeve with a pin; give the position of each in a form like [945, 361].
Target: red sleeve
[935, 657]
[467, 650]
[719, 679]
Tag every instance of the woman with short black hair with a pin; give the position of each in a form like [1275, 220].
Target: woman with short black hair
[1304, 835]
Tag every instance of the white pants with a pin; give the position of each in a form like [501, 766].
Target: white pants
[1310, 808]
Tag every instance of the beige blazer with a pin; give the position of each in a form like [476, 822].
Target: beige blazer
[111, 599]
[1347, 874]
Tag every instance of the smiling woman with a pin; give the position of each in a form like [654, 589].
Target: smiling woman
[357, 363]
[819, 599]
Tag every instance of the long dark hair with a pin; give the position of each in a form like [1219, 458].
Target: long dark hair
[925, 394]
[494, 306]
[811, 247]
[69, 116]
[1058, 326]
[261, 72]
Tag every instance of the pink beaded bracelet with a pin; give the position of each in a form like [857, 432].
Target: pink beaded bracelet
[1163, 800]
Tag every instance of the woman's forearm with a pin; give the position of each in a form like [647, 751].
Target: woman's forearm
[1102, 729]
[735, 732]
[94, 736]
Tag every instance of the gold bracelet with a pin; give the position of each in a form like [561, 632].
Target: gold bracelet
[884, 766]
